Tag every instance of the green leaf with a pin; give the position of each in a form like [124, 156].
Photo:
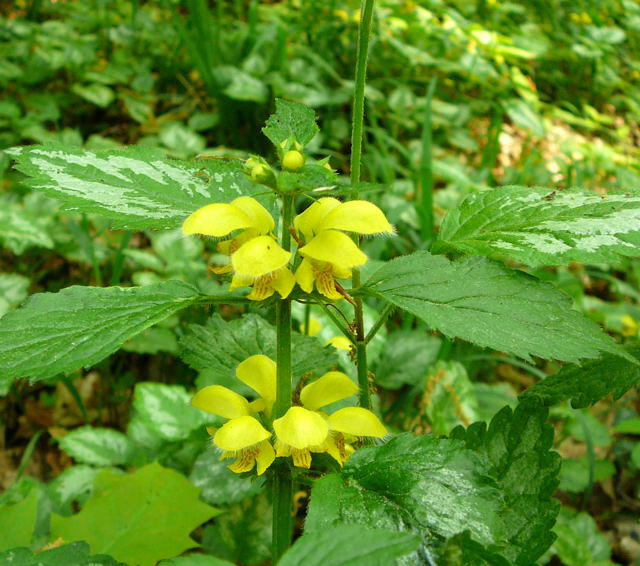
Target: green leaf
[579, 542]
[74, 485]
[433, 486]
[135, 188]
[405, 358]
[524, 116]
[220, 346]
[462, 550]
[538, 226]
[517, 452]
[167, 411]
[17, 522]
[492, 306]
[449, 398]
[14, 289]
[97, 94]
[350, 545]
[75, 554]
[219, 487]
[291, 120]
[139, 518]
[590, 382]
[495, 483]
[79, 326]
[575, 474]
[242, 534]
[19, 230]
[195, 560]
[97, 446]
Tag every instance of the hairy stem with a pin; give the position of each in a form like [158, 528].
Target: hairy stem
[282, 483]
[357, 129]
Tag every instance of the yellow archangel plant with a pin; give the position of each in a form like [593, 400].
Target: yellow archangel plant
[256, 258]
[328, 253]
[302, 430]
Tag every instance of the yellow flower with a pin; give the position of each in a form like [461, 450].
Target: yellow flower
[256, 258]
[329, 253]
[243, 437]
[305, 429]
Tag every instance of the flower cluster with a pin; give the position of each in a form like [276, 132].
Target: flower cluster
[257, 260]
[299, 432]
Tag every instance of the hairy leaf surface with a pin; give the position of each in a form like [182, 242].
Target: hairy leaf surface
[496, 484]
[350, 545]
[220, 346]
[588, 383]
[135, 188]
[538, 226]
[291, 119]
[79, 326]
[76, 554]
[485, 303]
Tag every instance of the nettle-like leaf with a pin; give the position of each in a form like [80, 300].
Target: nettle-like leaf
[98, 446]
[76, 554]
[219, 346]
[139, 518]
[291, 120]
[350, 545]
[516, 450]
[135, 188]
[496, 484]
[485, 303]
[590, 382]
[538, 226]
[79, 326]
[20, 230]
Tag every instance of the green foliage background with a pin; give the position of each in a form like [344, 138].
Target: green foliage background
[528, 93]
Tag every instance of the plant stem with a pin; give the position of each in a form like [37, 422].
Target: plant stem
[282, 483]
[357, 129]
[425, 172]
[357, 125]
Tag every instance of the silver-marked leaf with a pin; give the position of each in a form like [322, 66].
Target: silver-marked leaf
[98, 446]
[538, 226]
[135, 188]
[79, 326]
[166, 410]
[20, 230]
[485, 303]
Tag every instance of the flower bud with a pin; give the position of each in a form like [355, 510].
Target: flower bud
[293, 160]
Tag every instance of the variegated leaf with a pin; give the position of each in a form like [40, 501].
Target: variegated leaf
[539, 226]
[136, 187]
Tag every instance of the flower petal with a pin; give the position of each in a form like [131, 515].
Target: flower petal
[308, 221]
[265, 456]
[339, 343]
[240, 281]
[259, 373]
[240, 433]
[356, 421]
[221, 401]
[304, 275]
[259, 256]
[262, 288]
[332, 386]
[284, 282]
[261, 220]
[301, 428]
[218, 219]
[358, 216]
[334, 247]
